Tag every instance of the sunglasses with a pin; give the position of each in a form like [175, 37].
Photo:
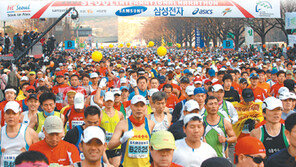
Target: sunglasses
[257, 160]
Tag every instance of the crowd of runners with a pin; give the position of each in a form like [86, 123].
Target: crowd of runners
[133, 108]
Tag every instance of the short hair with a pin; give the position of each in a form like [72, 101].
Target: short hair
[221, 73]
[158, 96]
[261, 71]
[280, 72]
[155, 79]
[44, 89]
[24, 84]
[31, 156]
[244, 73]
[227, 76]
[210, 98]
[195, 118]
[46, 96]
[74, 75]
[168, 86]
[85, 75]
[290, 122]
[92, 110]
[140, 78]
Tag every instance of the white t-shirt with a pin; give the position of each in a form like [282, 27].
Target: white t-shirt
[189, 157]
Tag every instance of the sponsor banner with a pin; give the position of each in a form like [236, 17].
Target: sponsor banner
[292, 40]
[69, 45]
[10, 10]
[249, 35]
[290, 20]
[228, 44]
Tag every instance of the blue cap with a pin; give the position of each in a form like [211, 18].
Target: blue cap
[254, 75]
[274, 71]
[123, 87]
[199, 90]
[212, 72]
[186, 71]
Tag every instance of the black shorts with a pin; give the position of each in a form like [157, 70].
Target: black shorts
[113, 153]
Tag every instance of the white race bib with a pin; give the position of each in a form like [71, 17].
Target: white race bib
[138, 149]
[8, 160]
[76, 123]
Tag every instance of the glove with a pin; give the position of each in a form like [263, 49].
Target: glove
[127, 135]
[102, 83]
[133, 82]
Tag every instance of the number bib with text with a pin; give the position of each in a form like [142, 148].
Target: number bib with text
[138, 149]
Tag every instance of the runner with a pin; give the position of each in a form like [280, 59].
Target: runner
[109, 119]
[230, 94]
[191, 151]
[59, 89]
[130, 132]
[249, 151]
[15, 137]
[288, 104]
[33, 104]
[281, 76]
[10, 95]
[93, 144]
[74, 80]
[218, 131]
[57, 151]
[200, 97]
[259, 93]
[162, 146]
[272, 133]
[286, 157]
[47, 101]
[161, 118]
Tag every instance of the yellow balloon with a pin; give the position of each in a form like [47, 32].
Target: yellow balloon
[135, 47]
[161, 51]
[151, 44]
[128, 44]
[97, 56]
[121, 45]
[111, 46]
[178, 45]
[102, 47]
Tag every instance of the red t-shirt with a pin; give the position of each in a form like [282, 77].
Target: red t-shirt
[74, 118]
[63, 154]
[58, 90]
[172, 101]
[259, 93]
[275, 89]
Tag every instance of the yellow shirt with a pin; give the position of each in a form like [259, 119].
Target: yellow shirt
[20, 97]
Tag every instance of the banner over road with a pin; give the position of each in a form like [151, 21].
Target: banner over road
[11, 10]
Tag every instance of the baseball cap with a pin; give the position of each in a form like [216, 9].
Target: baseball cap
[71, 92]
[116, 91]
[13, 105]
[243, 80]
[123, 87]
[190, 90]
[138, 98]
[121, 71]
[211, 72]
[199, 90]
[207, 81]
[152, 91]
[53, 124]
[94, 75]
[93, 132]
[271, 103]
[109, 96]
[24, 78]
[274, 71]
[162, 140]
[249, 145]
[59, 74]
[32, 96]
[189, 117]
[123, 80]
[254, 76]
[217, 87]
[79, 101]
[216, 161]
[30, 87]
[248, 95]
[191, 105]
[32, 73]
[285, 96]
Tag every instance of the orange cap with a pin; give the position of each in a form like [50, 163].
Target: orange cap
[249, 145]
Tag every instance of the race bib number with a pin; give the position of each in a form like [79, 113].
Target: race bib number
[8, 160]
[138, 149]
[76, 123]
[108, 136]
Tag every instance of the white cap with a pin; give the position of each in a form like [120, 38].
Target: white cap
[188, 117]
[123, 80]
[14, 106]
[93, 132]
[178, 67]
[109, 96]
[94, 75]
[283, 89]
[190, 90]
[79, 101]
[116, 91]
[24, 78]
[217, 87]
[285, 96]
[152, 91]
[138, 98]
[292, 96]
[271, 103]
[53, 124]
[191, 105]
